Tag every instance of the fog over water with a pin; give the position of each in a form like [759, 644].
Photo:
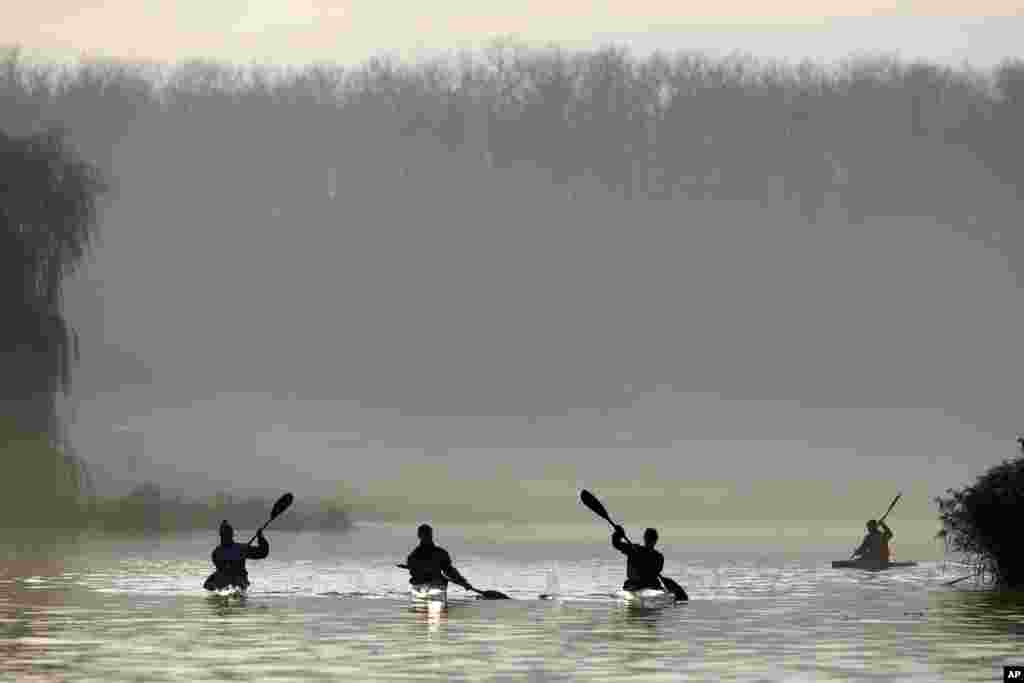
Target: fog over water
[304, 298]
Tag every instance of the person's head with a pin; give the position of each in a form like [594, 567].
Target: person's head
[425, 533]
[227, 533]
[650, 537]
[872, 525]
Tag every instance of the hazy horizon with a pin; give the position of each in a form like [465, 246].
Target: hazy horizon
[431, 335]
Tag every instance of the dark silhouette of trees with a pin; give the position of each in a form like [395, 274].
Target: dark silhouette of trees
[983, 521]
[48, 213]
[148, 509]
[48, 220]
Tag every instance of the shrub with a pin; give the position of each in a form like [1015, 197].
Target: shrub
[982, 521]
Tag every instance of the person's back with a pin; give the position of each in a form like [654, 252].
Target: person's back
[644, 564]
[429, 563]
[875, 546]
[229, 557]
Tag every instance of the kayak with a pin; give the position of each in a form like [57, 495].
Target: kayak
[228, 592]
[224, 585]
[428, 594]
[646, 597]
[870, 565]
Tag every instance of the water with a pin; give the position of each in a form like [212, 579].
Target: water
[335, 608]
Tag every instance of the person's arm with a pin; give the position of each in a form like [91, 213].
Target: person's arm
[261, 550]
[886, 530]
[215, 558]
[619, 542]
[451, 572]
[659, 563]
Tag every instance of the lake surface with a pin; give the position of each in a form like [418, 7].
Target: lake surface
[328, 607]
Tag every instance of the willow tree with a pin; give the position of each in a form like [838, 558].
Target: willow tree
[48, 221]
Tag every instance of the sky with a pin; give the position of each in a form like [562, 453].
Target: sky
[302, 31]
[873, 360]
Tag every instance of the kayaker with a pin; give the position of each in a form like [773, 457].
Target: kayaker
[229, 559]
[644, 564]
[875, 546]
[429, 563]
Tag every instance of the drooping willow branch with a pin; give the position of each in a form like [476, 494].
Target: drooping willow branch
[48, 222]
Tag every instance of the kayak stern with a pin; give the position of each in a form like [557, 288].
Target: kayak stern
[428, 594]
[646, 598]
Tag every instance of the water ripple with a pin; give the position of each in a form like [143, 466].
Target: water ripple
[129, 617]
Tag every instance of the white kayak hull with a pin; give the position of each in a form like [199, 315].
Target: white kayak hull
[428, 594]
[646, 598]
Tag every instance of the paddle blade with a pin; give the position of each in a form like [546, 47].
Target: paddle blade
[675, 589]
[594, 504]
[494, 595]
[282, 504]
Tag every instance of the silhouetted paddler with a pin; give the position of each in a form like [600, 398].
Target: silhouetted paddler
[429, 563]
[229, 559]
[875, 546]
[644, 563]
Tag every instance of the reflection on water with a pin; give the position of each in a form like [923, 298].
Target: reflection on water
[134, 610]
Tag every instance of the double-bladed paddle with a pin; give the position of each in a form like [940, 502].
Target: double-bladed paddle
[487, 595]
[591, 501]
[882, 518]
[282, 504]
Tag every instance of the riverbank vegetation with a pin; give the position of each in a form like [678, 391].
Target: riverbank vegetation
[48, 221]
[148, 509]
[982, 521]
[47, 489]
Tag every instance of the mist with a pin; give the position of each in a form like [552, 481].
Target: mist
[717, 289]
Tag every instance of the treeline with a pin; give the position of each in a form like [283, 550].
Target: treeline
[149, 509]
[884, 137]
[45, 488]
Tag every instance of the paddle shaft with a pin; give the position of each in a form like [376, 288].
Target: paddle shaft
[468, 586]
[955, 581]
[254, 536]
[457, 583]
[891, 506]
